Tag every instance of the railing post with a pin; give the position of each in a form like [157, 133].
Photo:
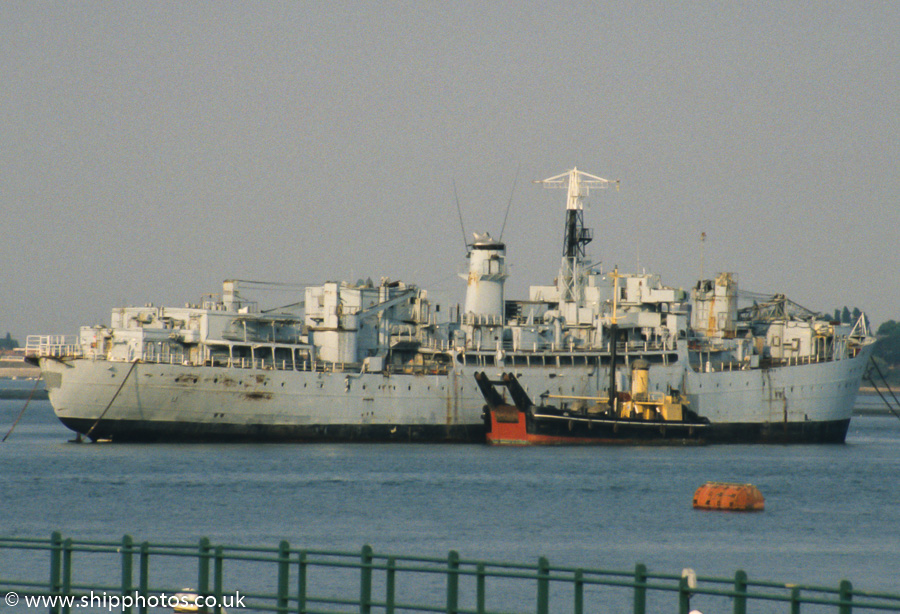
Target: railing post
[390, 585]
[543, 586]
[684, 596]
[55, 566]
[365, 580]
[218, 562]
[203, 567]
[578, 599]
[127, 569]
[301, 582]
[740, 592]
[67, 571]
[640, 588]
[452, 582]
[479, 588]
[846, 592]
[144, 576]
[284, 572]
[795, 600]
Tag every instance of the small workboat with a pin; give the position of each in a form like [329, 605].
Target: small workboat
[636, 417]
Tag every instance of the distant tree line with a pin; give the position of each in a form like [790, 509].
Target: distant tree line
[845, 316]
[8, 343]
[887, 348]
[886, 352]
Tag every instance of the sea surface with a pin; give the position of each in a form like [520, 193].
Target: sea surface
[832, 511]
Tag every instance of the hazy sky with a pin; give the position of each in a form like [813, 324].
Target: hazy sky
[150, 150]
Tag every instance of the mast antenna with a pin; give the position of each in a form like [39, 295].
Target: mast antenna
[462, 226]
[702, 252]
[509, 204]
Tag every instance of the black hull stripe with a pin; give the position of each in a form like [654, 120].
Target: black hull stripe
[194, 432]
[833, 431]
[151, 431]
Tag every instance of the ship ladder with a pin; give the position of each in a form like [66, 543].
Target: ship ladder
[893, 407]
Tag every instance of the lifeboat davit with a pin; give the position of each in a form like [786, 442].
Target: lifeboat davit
[730, 497]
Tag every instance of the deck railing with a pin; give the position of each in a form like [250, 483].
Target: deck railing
[64, 575]
[52, 346]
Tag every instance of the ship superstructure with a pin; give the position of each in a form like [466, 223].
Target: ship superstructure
[379, 362]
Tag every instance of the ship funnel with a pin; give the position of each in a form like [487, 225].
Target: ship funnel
[487, 273]
[230, 294]
[715, 306]
[640, 380]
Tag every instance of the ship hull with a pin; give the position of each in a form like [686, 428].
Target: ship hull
[174, 403]
[162, 402]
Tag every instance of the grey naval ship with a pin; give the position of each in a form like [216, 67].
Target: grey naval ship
[379, 362]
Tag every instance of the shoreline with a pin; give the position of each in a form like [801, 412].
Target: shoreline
[18, 370]
[872, 390]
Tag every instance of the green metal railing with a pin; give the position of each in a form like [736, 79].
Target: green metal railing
[125, 576]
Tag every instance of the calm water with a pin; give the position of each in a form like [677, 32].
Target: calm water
[832, 512]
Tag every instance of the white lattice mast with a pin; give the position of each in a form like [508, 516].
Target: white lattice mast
[579, 185]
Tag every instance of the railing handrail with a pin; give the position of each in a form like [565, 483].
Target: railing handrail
[52, 346]
[463, 579]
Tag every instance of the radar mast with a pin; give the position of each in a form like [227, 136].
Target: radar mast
[576, 236]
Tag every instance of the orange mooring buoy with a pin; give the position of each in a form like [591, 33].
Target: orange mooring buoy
[732, 497]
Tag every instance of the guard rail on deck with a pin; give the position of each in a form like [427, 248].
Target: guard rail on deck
[126, 576]
[52, 346]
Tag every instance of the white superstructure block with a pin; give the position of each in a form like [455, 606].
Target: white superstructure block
[487, 274]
